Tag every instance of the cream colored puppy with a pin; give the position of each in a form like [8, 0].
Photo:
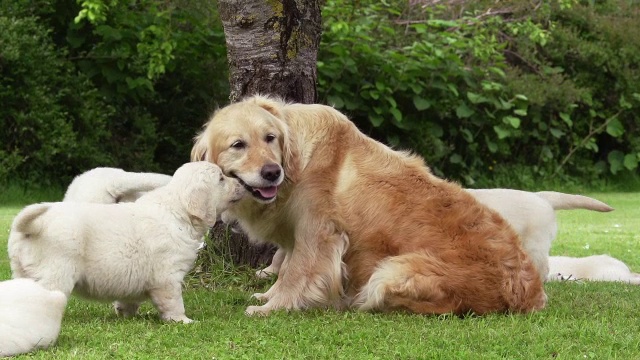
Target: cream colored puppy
[593, 268]
[129, 251]
[531, 214]
[30, 316]
[107, 185]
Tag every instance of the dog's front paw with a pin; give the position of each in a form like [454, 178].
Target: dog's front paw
[264, 273]
[262, 297]
[257, 311]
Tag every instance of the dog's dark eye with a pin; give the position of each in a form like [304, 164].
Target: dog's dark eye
[269, 138]
[221, 177]
[238, 144]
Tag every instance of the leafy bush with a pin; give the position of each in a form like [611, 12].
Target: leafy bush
[434, 85]
[53, 121]
[493, 90]
[117, 83]
[163, 66]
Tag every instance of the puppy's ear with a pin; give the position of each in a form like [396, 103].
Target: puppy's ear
[196, 200]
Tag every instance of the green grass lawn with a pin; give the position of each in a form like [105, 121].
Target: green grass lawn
[581, 321]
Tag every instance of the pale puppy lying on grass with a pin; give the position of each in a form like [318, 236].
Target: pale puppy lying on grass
[105, 185]
[128, 251]
[30, 316]
[531, 214]
[592, 268]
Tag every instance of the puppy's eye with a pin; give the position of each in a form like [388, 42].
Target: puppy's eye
[269, 138]
[239, 144]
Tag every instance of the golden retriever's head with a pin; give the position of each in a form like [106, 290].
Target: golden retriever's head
[204, 191]
[247, 140]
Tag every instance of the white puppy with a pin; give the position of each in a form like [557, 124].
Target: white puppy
[532, 216]
[128, 251]
[107, 185]
[30, 316]
[593, 268]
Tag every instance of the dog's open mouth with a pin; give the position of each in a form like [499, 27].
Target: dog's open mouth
[263, 193]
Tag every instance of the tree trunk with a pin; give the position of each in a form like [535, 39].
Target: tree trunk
[272, 48]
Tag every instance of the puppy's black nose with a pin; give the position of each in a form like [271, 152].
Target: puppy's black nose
[271, 172]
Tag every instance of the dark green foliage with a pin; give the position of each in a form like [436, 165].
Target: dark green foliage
[53, 121]
[125, 84]
[492, 91]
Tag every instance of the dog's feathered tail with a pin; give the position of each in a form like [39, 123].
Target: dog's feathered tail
[26, 221]
[562, 201]
[132, 183]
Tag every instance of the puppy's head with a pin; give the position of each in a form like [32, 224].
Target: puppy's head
[26, 292]
[205, 191]
[248, 141]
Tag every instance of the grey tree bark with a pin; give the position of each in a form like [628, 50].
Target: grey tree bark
[272, 48]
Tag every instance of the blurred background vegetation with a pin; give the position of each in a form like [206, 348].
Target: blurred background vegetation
[492, 93]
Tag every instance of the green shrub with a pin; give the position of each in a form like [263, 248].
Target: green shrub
[551, 87]
[437, 86]
[53, 121]
[124, 84]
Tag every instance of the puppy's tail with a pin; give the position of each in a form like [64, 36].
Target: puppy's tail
[562, 201]
[26, 221]
[131, 183]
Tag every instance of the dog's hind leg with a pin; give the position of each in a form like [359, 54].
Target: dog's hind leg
[168, 300]
[405, 283]
[125, 309]
[426, 284]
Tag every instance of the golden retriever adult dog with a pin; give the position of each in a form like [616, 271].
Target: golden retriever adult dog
[363, 226]
[30, 316]
[128, 251]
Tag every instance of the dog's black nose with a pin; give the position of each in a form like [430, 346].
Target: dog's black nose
[271, 172]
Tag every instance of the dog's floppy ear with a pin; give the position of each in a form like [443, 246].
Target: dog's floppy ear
[272, 105]
[196, 199]
[290, 152]
[199, 150]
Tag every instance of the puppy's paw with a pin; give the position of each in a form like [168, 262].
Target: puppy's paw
[257, 311]
[125, 309]
[178, 318]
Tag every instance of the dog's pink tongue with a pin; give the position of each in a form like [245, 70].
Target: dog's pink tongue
[268, 192]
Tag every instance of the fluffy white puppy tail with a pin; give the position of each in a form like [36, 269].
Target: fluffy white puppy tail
[129, 184]
[562, 201]
[25, 221]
